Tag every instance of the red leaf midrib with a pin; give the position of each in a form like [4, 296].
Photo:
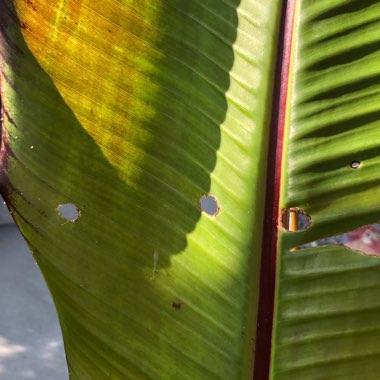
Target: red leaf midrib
[269, 254]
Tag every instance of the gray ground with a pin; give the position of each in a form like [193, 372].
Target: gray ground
[30, 338]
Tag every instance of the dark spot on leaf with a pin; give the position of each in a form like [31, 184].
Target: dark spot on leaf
[30, 3]
[177, 305]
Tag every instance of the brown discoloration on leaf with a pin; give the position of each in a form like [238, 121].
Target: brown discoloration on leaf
[31, 4]
[8, 116]
[5, 148]
[5, 77]
[5, 154]
[7, 42]
[177, 305]
[72, 36]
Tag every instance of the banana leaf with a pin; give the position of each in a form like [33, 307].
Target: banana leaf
[148, 151]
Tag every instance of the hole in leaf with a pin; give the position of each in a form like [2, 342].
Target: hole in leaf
[68, 211]
[294, 219]
[209, 205]
[355, 164]
[364, 239]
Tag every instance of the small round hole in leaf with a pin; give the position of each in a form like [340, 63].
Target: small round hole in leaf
[355, 164]
[68, 211]
[295, 219]
[209, 205]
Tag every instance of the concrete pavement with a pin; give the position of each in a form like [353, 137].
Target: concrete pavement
[30, 338]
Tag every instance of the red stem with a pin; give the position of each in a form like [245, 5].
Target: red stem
[270, 229]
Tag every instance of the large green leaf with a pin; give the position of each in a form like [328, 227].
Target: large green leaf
[327, 315]
[132, 111]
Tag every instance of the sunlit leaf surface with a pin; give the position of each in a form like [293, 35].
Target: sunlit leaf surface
[130, 112]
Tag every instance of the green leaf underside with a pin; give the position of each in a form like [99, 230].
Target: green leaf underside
[327, 305]
[132, 110]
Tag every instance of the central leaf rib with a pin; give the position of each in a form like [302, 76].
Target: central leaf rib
[274, 169]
